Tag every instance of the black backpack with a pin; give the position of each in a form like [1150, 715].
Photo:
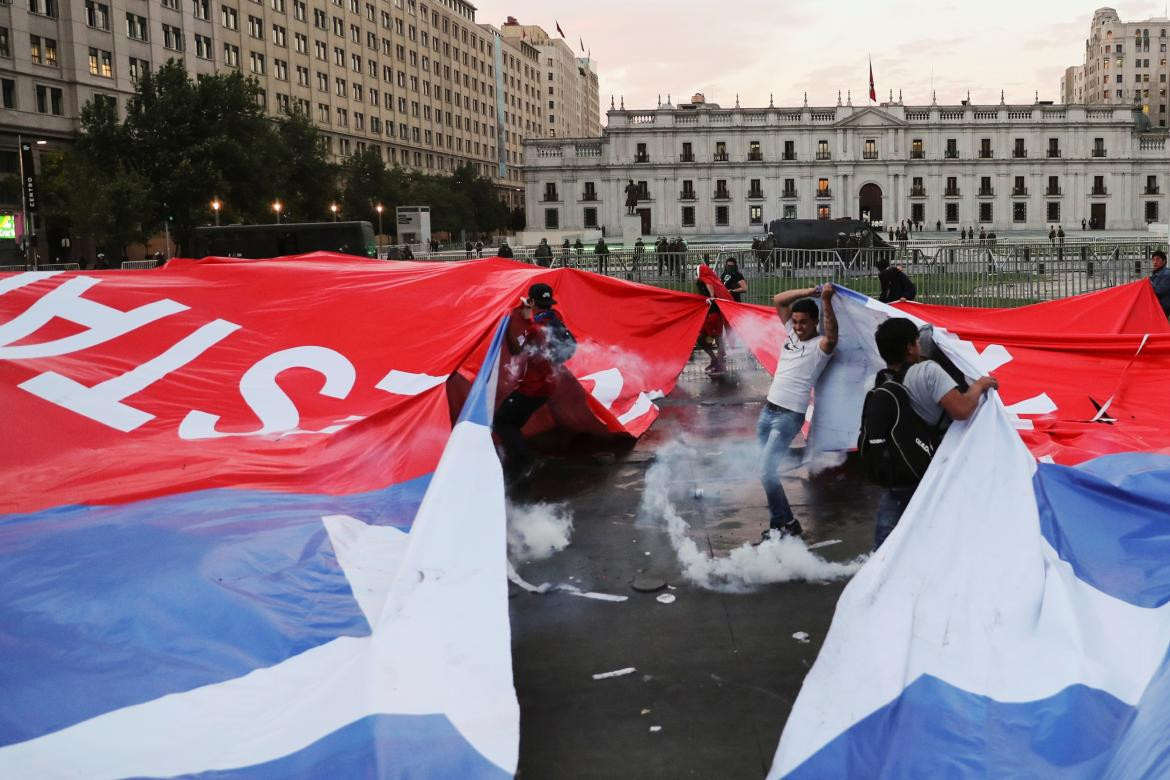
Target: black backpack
[895, 444]
[559, 343]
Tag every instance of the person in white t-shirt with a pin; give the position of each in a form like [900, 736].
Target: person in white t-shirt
[803, 357]
[934, 397]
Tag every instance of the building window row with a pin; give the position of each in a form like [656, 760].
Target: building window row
[918, 188]
[869, 150]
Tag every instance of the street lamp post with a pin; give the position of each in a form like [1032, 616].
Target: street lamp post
[277, 207]
[25, 188]
[216, 205]
[333, 208]
[378, 209]
[23, 199]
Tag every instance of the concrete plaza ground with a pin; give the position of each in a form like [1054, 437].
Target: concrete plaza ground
[717, 672]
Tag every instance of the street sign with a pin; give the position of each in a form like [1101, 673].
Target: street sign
[31, 201]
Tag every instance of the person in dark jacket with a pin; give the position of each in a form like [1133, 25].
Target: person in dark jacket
[1160, 279]
[537, 375]
[896, 285]
[602, 252]
[543, 254]
[505, 250]
[636, 263]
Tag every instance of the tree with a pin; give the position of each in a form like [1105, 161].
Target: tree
[366, 184]
[108, 208]
[91, 187]
[195, 140]
[517, 221]
[485, 210]
[306, 180]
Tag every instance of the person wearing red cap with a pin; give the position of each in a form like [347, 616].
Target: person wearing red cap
[538, 336]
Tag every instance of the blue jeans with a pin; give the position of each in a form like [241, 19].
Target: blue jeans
[776, 430]
[890, 508]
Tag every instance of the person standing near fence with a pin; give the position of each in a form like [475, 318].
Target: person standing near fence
[565, 247]
[1160, 280]
[602, 252]
[896, 285]
[636, 265]
[711, 334]
[733, 280]
[543, 254]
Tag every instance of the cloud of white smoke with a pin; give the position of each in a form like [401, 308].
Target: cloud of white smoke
[538, 531]
[746, 567]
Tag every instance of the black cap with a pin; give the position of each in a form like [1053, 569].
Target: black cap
[541, 295]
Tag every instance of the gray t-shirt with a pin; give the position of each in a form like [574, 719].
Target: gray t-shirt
[927, 382]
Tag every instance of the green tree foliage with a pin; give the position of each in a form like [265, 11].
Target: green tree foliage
[109, 207]
[93, 189]
[198, 139]
[305, 178]
[463, 201]
[184, 142]
[366, 185]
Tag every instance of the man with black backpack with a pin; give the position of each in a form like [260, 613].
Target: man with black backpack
[539, 337]
[905, 415]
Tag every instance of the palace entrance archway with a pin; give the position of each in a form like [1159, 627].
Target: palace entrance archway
[869, 203]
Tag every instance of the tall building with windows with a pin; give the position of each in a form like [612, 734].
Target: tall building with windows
[1072, 85]
[420, 81]
[1124, 63]
[571, 93]
[519, 113]
[705, 170]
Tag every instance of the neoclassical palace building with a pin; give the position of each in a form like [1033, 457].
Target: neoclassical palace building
[705, 170]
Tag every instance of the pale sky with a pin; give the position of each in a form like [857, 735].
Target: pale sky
[756, 47]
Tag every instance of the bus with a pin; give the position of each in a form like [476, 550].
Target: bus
[295, 238]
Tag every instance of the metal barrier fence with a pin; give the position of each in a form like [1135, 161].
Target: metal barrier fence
[968, 274]
[972, 273]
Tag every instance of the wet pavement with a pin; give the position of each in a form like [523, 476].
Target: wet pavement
[716, 673]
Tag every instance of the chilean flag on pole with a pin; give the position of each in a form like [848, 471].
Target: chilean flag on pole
[872, 91]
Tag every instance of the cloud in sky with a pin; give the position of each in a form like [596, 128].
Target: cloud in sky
[756, 48]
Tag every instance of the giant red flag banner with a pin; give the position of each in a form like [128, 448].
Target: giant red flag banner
[254, 373]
